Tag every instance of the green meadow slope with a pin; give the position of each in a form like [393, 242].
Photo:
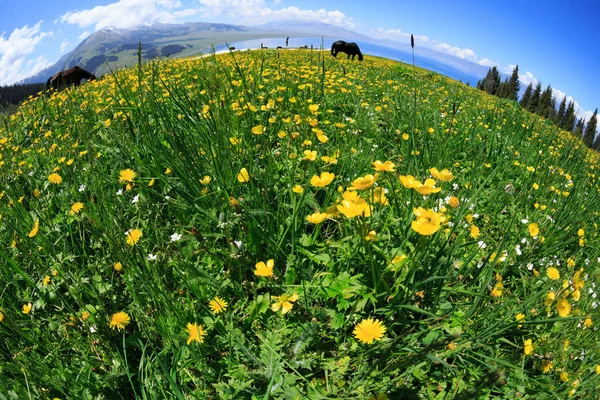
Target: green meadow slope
[270, 224]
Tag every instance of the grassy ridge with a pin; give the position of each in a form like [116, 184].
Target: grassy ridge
[137, 212]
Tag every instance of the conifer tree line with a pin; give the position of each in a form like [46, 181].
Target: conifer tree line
[15, 94]
[542, 102]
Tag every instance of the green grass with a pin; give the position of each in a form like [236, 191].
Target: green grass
[448, 300]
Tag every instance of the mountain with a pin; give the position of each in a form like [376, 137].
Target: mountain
[293, 27]
[118, 47]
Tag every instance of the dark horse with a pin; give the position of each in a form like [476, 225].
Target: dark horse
[349, 48]
[68, 77]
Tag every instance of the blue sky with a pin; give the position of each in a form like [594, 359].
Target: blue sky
[553, 41]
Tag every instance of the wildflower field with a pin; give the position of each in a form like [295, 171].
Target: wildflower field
[265, 224]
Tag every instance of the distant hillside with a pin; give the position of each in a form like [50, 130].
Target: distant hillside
[118, 47]
[313, 28]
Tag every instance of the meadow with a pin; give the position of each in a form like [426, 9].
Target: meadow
[285, 224]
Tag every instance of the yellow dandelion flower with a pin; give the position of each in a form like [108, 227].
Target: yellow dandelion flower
[119, 320]
[553, 273]
[205, 180]
[243, 176]
[127, 175]
[310, 155]
[597, 369]
[547, 366]
[217, 305]
[368, 330]
[364, 182]
[118, 266]
[564, 376]
[564, 308]
[55, 178]
[576, 295]
[76, 207]
[151, 183]
[527, 347]
[263, 269]
[196, 333]
[34, 231]
[26, 308]
[46, 280]
[453, 201]
[549, 298]
[316, 218]
[133, 236]
[258, 130]
[474, 232]
[313, 108]
[534, 229]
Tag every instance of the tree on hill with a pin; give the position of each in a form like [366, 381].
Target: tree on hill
[491, 82]
[514, 85]
[535, 98]
[545, 103]
[596, 145]
[590, 130]
[562, 111]
[526, 96]
[553, 113]
[569, 117]
[579, 127]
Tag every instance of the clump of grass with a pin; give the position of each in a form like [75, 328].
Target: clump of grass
[256, 224]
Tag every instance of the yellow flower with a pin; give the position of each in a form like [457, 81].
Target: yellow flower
[405, 136]
[34, 231]
[127, 175]
[520, 317]
[55, 178]
[379, 196]
[547, 366]
[564, 308]
[284, 303]
[409, 181]
[597, 369]
[313, 108]
[431, 130]
[580, 232]
[316, 218]
[258, 130]
[168, 171]
[76, 207]
[196, 333]
[310, 155]
[322, 138]
[549, 298]
[534, 229]
[453, 202]
[133, 236]
[118, 267]
[119, 320]
[527, 347]
[553, 273]
[151, 182]
[397, 262]
[368, 330]
[588, 322]
[263, 269]
[371, 236]
[329, 160]
[205, 180]
[243, 176]
[364, 182]
[321, 181]
[444, 175]
[353, 205]
[564, 376]
[217, 305]
[1, 316]
[428, 221]
[497, 290]
[26, 308]
[427, 188]
[387, 166]
[474, 232]
[298, 189]
[46, 280]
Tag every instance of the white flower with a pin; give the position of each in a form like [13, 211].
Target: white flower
[151, 257]
[93, 328]
[455, 186]
[175, 237]
[238, 243]
[81, 188]
[530, 266]
[518, 250]
[524, 221]
[135, 199]
[481, 244]
[119, 192]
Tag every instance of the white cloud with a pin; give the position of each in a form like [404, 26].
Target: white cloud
[15, 62]
[84, 35]
[63, 45]
[398, 35]
[257, 11]
[486, 62]
[528, 78]
[124, 14]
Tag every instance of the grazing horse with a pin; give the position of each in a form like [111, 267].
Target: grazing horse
[68, 77]
[349, 48]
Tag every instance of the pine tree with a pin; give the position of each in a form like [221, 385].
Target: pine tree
[503, 90]
[590, 130]
[535, 98]
[544, 104]
[514, 85]
[553, 113]
[579, 128]
[562, 111]
[526, 96]
[569, 117]
[491, 82]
